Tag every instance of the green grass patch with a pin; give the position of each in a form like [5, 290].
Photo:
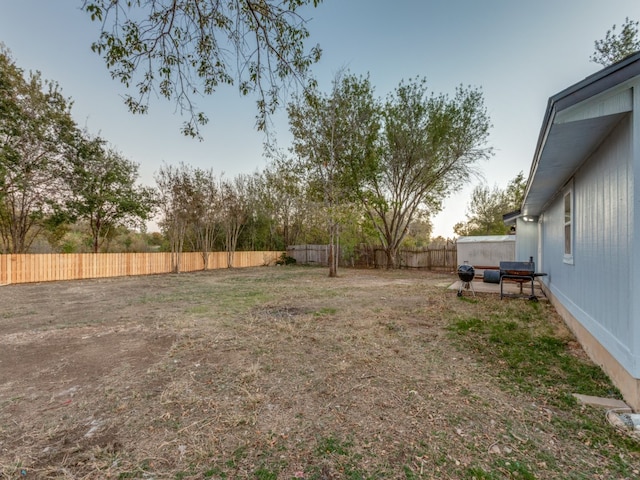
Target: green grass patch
[331, 445]
[214, 472]
[525, 351]
[265, 474]
[529, 354]
[477, 473]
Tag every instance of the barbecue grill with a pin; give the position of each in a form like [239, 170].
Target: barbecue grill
[466, 273]
[519, 272]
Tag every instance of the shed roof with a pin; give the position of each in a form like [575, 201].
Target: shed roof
[575, 123]
[486, 238]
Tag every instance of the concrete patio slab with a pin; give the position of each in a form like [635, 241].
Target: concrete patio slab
[608, 403]
[509, 288]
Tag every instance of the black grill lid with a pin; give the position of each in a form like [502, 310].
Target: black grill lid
[517, 268]
[466, 273]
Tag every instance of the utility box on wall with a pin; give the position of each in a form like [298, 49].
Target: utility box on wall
[488, 251]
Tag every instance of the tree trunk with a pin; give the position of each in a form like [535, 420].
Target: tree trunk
[95, 231]
[332, 264]
[332, 252]
[391, 257]
[176, 239]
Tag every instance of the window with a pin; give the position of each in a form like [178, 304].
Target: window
[568, 227]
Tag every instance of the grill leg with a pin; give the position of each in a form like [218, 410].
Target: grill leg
[533, 293]
[466, 286]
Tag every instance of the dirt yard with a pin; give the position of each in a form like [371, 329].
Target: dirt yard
[270, 373]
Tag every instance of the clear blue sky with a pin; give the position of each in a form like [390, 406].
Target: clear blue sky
[519, 52]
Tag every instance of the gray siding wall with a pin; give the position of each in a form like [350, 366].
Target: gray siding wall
[596, 288]
[527, 242]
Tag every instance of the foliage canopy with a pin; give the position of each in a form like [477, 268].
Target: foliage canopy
[36, 131]
[103, 191]
[51, 173]
[429, 148]
[396, 159]
[488, 205]
[616, 46]
[178, 49]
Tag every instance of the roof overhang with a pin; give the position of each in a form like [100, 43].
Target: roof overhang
[511, 217]
[576, 122]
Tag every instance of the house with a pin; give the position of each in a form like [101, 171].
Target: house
[580, 218]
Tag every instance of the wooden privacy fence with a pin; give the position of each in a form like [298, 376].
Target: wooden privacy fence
[27, 268]
[431, 258]
[441, 257]
[309, 254]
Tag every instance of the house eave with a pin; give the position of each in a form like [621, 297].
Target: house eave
[576, 121]
[511, 217]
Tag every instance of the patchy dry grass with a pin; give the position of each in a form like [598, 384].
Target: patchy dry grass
[282, 373]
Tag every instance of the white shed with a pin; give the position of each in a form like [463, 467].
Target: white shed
[483, 252]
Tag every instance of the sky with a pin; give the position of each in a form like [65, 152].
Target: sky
[518, 52]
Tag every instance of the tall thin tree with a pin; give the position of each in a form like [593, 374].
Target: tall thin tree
[335, 139]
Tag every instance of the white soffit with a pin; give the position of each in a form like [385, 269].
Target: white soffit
[610, 104]
[567, 146]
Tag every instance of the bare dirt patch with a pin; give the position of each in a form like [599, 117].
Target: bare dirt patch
[267, 373]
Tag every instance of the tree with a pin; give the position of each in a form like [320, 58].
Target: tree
[282, 197]
[205, 207]
[174, 202]
[103, 191]
[419, 232]
[487, 205]
[191, 47]
[335, 137]
[515, 192]
[431, 144]
[236, 209]
[36, 131]
[485, 212]
[616, 46]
